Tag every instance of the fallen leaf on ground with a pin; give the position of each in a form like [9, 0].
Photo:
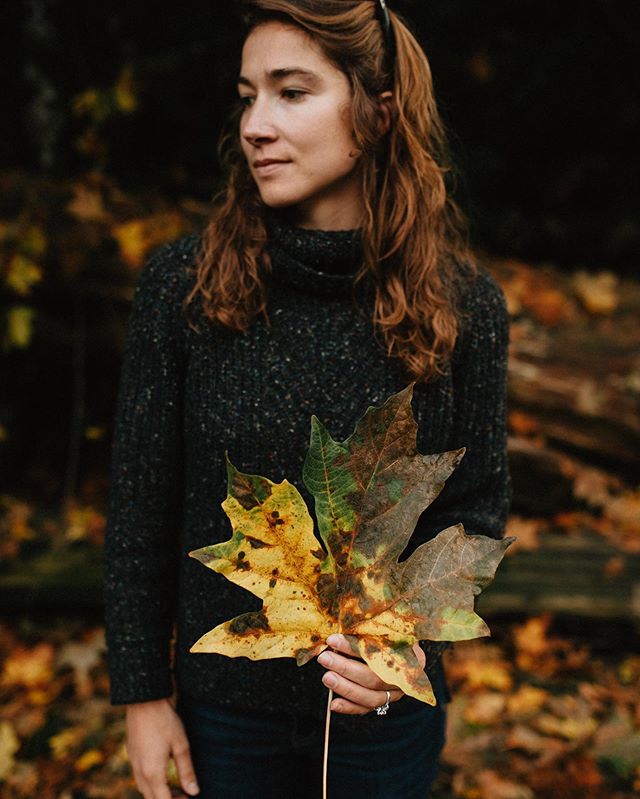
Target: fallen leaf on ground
[9, 745]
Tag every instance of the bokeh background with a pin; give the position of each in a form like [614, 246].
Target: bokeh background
[108, 136]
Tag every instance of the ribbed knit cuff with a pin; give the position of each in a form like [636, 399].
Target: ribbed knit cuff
[139, 672]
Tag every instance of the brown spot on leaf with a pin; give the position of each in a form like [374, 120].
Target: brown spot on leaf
[244, 491]
[256, 543]
[348, 583]
[248, 623]
[326, 589]
[273, 519]
[272, 582]
[347, 620]
[365, 604]
[318, 553]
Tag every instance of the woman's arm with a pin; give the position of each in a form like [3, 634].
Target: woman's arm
[478, 493]
[142, 537]
[143, 526]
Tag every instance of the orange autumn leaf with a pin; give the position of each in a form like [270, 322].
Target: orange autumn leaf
[9, 745]
[86, 761]
[494, 786]
[523, 424]
[526, 701]
[484, 708]
[597, 293]
[31, 668]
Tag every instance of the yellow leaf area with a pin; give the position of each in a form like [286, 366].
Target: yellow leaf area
[275, 555]
[369, 492]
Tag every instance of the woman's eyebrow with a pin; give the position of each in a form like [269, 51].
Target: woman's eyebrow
[284, 72]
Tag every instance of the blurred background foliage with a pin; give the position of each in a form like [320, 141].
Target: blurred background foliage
[108, 149]
[541, 100]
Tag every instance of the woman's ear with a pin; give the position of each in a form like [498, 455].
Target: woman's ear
[384, 108]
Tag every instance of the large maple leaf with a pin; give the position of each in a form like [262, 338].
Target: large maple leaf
[369, 492]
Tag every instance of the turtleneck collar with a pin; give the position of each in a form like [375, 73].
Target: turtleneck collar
[323, 261]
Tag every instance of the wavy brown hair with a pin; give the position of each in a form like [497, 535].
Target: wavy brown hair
[415, 237]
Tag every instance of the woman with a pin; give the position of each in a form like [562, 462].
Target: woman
[334, 271]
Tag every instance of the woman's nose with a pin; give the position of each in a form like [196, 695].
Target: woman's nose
[256, 123]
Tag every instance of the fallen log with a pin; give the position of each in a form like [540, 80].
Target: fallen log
[568, 575]
[574, 361]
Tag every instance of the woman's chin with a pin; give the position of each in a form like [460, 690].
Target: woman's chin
[278, 200]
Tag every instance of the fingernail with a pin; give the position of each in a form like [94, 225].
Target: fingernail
[325, 659]
[333, 640]
[192, 787]
[329, 679]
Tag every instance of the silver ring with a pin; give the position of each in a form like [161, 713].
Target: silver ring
[382, 710]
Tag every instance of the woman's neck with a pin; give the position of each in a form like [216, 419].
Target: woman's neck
[324, 216]
[314, 257]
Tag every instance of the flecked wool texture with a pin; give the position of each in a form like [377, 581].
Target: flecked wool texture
[186, 396]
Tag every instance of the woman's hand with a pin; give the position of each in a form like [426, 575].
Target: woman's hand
[154, 734]
[361, 690]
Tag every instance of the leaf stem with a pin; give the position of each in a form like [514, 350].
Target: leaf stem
[326, 746]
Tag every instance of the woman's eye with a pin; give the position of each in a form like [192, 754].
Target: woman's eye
[293, 94]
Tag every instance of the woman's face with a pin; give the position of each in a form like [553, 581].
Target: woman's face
[297, 116]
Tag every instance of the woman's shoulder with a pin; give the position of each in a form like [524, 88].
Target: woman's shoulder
[168, 269]
[480, 292]
[172, 258]
[483, 315]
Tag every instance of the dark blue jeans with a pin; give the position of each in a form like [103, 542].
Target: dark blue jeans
[242, 755]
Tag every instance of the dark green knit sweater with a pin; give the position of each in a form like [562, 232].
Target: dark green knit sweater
[185, 397]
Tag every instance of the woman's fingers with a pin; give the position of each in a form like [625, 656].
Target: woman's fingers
[364, 699]
[157, 789]
[155, 733]
[342, 705]
[341, 644]
[419, 652]
[149, 770]
[184, 765]
[150, 776]
[360, 689]
[352, 670]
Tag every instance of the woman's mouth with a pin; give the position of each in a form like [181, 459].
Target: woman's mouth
[266, 167]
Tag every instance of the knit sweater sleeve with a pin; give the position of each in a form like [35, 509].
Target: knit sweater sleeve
[141, 546]
[478, 493]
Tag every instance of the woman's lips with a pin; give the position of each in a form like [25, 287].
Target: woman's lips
[267, 169]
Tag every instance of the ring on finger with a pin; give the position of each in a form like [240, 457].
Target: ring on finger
[381, 710]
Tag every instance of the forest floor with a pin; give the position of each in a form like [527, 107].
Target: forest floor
[533, 714]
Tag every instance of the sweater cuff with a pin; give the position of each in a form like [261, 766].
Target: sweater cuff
[139, 672]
